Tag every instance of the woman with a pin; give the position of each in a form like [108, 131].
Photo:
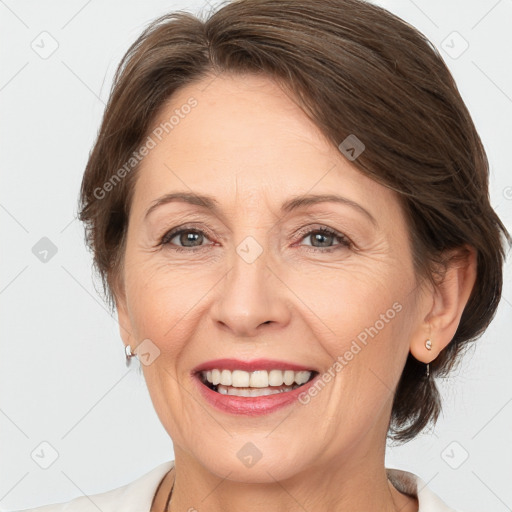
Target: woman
[288, 206]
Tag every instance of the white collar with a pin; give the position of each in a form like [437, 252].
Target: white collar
[409, 483]
[137, 496]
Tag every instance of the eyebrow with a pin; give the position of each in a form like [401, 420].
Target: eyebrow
[288, 206]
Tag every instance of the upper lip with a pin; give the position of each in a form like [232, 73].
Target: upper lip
[250, 366]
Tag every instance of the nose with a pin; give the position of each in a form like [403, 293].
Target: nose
[251, 299]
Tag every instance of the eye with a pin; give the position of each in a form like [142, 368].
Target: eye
[324, 237]
[191, 239]
[186, 239]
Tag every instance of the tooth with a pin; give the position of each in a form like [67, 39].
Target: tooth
[238, 392]
[259, 379]
[289, 377]
[240, 379]
[225, 378]
[262, 392]
[275, 378]
[215, 377]
[230, 391]
[256, 379]
[251, 392]
[302, 377]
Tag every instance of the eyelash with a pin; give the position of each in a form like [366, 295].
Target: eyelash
[345, 241]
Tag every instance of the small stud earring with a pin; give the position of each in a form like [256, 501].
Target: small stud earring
[129, 354]
[428, 346]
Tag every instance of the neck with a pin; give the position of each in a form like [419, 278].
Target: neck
[331, 486]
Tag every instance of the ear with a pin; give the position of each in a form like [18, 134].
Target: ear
[447, 301]
[123, 314]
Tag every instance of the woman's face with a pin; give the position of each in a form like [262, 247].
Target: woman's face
[248, 280]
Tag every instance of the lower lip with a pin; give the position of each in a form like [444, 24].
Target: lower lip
[251, 405]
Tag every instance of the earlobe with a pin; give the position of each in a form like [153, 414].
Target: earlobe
[424, 347]
[448, 300]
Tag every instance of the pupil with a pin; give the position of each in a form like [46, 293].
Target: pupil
[318, 237]
[189, 237]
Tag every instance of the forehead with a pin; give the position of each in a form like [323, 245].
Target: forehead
[244, 139]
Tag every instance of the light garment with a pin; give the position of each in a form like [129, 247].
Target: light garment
[137, 496]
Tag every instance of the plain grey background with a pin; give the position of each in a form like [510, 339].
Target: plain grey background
[73, 419]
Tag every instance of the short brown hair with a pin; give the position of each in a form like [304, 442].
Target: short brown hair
[356, 69]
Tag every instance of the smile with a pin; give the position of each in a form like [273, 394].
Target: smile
[255, 383]
[255, 387]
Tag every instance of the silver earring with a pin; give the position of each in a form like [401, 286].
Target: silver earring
[428, 346]
[129, 354]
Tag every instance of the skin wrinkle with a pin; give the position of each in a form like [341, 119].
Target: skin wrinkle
[288, 304]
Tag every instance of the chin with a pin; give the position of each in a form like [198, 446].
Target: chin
[245, 461]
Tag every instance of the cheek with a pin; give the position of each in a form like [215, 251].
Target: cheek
[166, 299]
[359, 315]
